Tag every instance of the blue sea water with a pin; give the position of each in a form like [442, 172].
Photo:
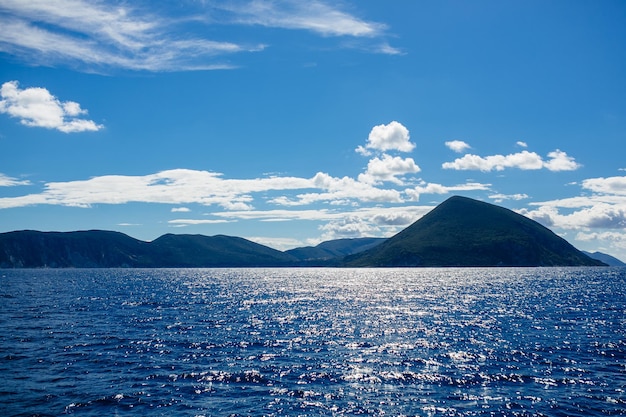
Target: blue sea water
[300, 342]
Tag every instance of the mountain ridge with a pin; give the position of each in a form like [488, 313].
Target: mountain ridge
[458, 232]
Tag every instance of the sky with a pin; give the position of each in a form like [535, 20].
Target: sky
[290, 123]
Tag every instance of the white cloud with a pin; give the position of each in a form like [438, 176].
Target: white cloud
[498, 198]
[391, 137]
[521, 144]
[280, 243]
[104, 35]
[619, 237]
[457, 145]
[388, 169]
[348, 227]
[312, 15]
[99, 35]
[434, 188]
[190, 222]
[344, 189]
[602, 211]
[559, 161]
[611, 185]
[178, 186]
[183, 186]
[6, 181]
[598, 216]
[180, 210]
[36, 107]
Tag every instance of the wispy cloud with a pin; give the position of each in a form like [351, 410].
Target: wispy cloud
[558, 161]
[36, 107]
[6, 181]
[101, 36]
[315, 16]
[107, 35]
[191, 222]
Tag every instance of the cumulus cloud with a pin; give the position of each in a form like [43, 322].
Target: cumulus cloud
[36, 107]
[611, 185]
[617, 237]
[521, 144]
[6, 181]
[602, 211]
[559, 161]
[348, 227]
[600, 216]
[390, 137]
[458, 145]
[434, 188]
[343, 189]
[388, 169]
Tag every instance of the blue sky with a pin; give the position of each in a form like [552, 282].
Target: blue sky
[290, 123]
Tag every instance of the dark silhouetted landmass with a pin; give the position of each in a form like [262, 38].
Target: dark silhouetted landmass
[333, 251]
[465, 232]
[603, 257]
[84, 249]
[458, 232]
[215, 251]
[103, 249]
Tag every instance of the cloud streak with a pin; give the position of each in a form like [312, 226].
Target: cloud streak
[314, 16]
[36, 107]
[103, 36]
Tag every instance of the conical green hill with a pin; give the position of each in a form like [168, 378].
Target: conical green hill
[466, 232]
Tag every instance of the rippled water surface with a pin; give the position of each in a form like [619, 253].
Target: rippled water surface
[218, 342]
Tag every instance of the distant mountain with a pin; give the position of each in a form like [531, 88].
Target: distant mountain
[215, 251]
[334, 249]
[104, 249]
[603, 257]
[465, 232]
[84, 249]
[458, 232]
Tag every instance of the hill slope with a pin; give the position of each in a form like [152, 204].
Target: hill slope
[465, 232]
[104, 249]
[215, 251]
[84, 249]
[334, 249]
[603, 257]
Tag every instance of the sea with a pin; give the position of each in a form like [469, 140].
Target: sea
[313, 342]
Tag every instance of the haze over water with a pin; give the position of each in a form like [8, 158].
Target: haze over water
[277, 342]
